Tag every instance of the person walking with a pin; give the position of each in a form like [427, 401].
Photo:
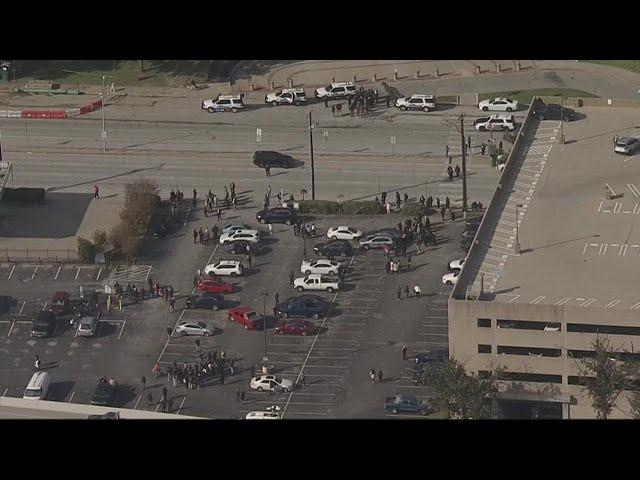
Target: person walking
[406, 197]
[447, 203]
[457, 170]
[404, 352]
[169, 330]
[379, 376]
[438, 202]
[36, 362]
[219, 213]
[222, 377]
[483, 148]
[302, 379]
[237, 394]
[387, 266]
[399, 293]
[500, 146]
[469, 142]
[398, 199]
[253, 370]
[143, 383]
[292, 277]
[150, 399]
[249, 258]
[442, 212]
[276, 298]
[446, 151]
[172, 304]
[96, 192]
[333, 110]
[270, 229]
[453, 216]
[417, 291]
[406, 291]
[408, 263]
[372, 375]
[195, 236]
[267, 170]
[156, 370]
[197, 342]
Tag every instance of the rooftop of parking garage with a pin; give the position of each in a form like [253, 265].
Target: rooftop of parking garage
[578, 248]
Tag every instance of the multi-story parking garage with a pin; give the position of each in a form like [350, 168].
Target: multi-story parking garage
[534, 309]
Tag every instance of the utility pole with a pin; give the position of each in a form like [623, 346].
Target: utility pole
[304, 225]
[265, 359]
[464, 168]
[104, 131]
[313, 170]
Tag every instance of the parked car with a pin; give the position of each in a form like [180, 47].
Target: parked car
[416, 102]
[209, 301]
[296, 327]
[344, 232]
[224, 267]
[252, 236]
[240, 248]
[627, 145]
[104, 395]
[377, 241]
[277, 215]
[316, 282]
[271, 383]
[264, 158]
[60, 304]
[257, 415]
[500, 122]
[247, 317]
[322, 266]
[451, 278]
[88, 327]
[457, 264]
[405, 404]
[553, 111]
[435, 358]
[187, 327]
[286, 96]
[310, 306]
[334, 248]
[232, 227]
[214, 285]
[44, 324]
[499, 104]
[468, 234]
[224, 103]
[336, 90]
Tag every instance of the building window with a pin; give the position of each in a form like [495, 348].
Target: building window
[602, 329]
[529, 377]
[484, 348]
[529, 325]
[484, 322]
[530, 351]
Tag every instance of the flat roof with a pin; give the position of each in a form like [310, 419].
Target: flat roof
[577, 247]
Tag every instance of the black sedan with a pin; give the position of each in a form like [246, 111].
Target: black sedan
[334, 248]
[309, 306]
[553, 111]
[277, 215]
[209, 301]
[272, 159]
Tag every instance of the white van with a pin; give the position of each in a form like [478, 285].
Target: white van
[38, 386]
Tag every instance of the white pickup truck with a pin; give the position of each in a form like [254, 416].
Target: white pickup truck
[317, 282]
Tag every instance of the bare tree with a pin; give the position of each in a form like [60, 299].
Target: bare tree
[606, 377]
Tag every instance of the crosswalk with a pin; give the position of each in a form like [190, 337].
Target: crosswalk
[130, 273]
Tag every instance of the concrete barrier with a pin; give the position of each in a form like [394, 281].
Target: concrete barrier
[79, 409]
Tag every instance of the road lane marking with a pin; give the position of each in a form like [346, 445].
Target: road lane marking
[181, 404]
[11, 272]
[22, 307]
[122, 329]
[537, 299]
[563, 301]
[612, 304]
[11, 329]
[98, 276]
[71, 397]
[135, 407]
[45, 306]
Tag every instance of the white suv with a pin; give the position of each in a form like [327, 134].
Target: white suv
[288, 96]
[336, 90]
[224, 267]
[499, 122]
[416, 102]
[223, 103]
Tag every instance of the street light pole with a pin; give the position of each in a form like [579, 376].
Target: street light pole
[265, 360]
[104, 132]
[518, 205]
[303, 232]
[313, 170]
[464, 168]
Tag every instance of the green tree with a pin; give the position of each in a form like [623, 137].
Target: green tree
[606, 377]
[459, 394]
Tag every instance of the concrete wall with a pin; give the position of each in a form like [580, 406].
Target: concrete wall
[577, 102]
[79, 409]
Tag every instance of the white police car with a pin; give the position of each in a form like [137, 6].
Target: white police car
[499, 104]
[416, 102]
[224, 103]
[287, 96]
[336, 90]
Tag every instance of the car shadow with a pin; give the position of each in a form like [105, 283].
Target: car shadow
[124, 395]
[106, 330]
[60, 391]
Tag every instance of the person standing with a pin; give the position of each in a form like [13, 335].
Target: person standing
[172, 304]
[404, 352]
[195, 235]
[169, 330]
[143, 383]
[197, 342]
[457, 170]
[302, 379]
[483, 148]
[408, 263]
[267, 170]
[469, 142]
[406, 291]
[442, 212]
[156, 370]
[447, 203]
[399, 293]
[219, 213]
[292, 277]
[453, 216]
[446, 151]
[277, 299]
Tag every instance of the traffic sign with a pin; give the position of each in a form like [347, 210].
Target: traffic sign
[394, 140]
[258, 135]
[104, 134]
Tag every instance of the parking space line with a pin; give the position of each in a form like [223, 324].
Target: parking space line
[45, 306]
[78, 272]
[99, 272]
[122, 329]
[23, 304]
[12, 324]
[183, 399]
[135, 407]
[612, 304]
[11, 272]
[34, 272]
[58, 272]
[5, 391]
[71, 397]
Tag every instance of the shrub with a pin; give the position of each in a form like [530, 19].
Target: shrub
[327, 207]
[86, 250]
[99, 240]
[413, 210]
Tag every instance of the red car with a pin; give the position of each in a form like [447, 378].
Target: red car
[247, 317]
[214, 285]
[60, 304]
[296, 327]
